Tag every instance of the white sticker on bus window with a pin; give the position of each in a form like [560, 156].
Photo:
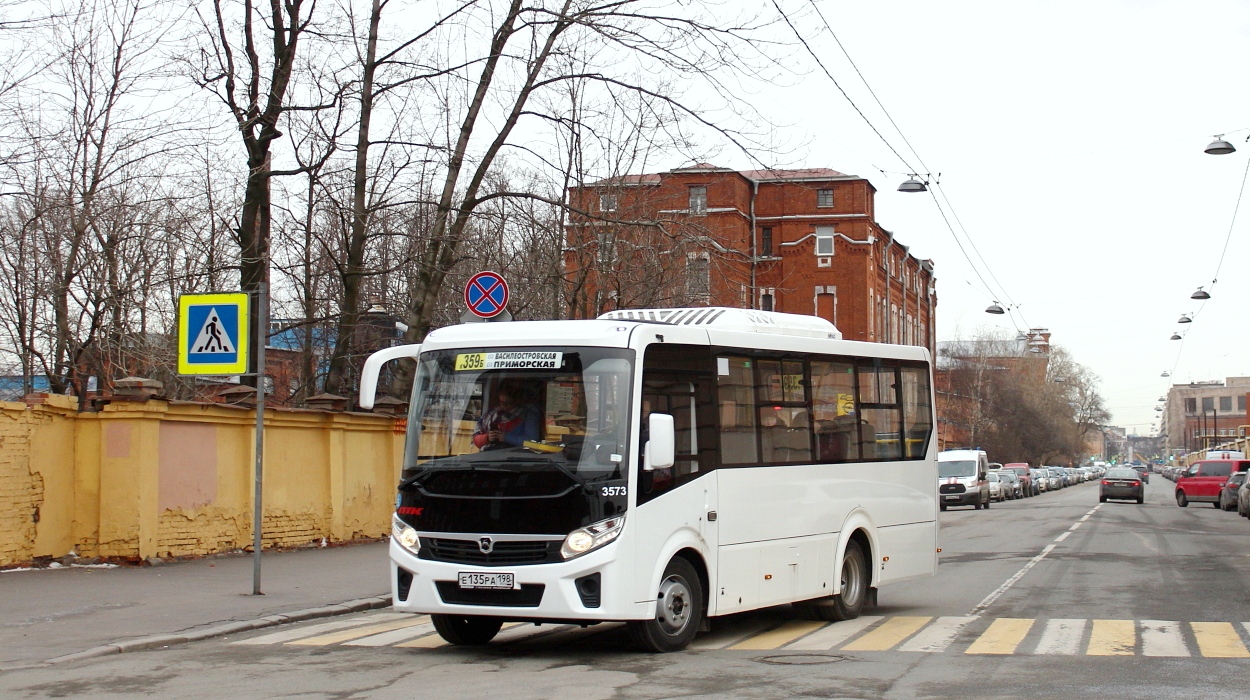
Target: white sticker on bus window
[722, 366]
[478, 361]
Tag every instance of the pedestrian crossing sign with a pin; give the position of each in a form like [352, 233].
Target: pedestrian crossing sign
[212, 333]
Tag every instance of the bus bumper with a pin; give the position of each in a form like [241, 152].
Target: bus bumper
[553, 592]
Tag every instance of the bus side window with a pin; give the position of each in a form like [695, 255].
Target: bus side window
[677, 380]
[735, 388]
[835, 420]
[917, 412]
[785, 430]
[880, 428]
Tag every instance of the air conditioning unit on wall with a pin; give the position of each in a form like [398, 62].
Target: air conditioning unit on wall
[824, 262]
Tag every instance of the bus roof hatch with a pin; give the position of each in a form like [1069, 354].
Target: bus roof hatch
[730, 319]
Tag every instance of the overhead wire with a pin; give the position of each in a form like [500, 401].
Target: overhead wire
[1245, 175]
[1002, 290]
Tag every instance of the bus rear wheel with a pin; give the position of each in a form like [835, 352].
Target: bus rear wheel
[850, 602]
[466, 630]
[678, 611]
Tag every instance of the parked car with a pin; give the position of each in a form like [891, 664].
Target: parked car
[1028, 480]
[1228, 494]
[1057, 478]
[1145, 473]
[1010, 479]
[998, 487]
[1122, 483]
[1243, 500]
[1203, 480]
[962, 479]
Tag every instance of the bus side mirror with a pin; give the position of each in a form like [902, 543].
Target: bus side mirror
[662, 446]
[373, 367]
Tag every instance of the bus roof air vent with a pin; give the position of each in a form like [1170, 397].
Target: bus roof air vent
[729, 319]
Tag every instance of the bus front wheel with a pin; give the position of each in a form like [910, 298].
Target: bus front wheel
[466, 630]
[678, 611]
[847, 604]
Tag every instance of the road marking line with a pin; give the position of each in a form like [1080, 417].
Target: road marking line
[1162, 638]
[834, 634]
[356, 633]
[386, 639]
[888, 634]
[296, 633]
[723, 638]
[1062, 637]
[1219, 640]
[1062, 537]
[1112, 638]
[989, 599]
[1092, 512]
[937, 636]
[1074, 526]
[1003, 636]
[1085, 517]
[781, 635]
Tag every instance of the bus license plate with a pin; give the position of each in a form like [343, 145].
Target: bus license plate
[493, 581]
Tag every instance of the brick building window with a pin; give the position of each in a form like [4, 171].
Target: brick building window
[698, 200]
[698, 278]
[824, 240]
[824, 198]
[1241, 403]
[607, 202]
[1208, 404]
[766, 242]
[1191, 406]
[1226, 404]
[766, 301]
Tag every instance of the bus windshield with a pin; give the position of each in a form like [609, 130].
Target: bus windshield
[960, 467]
[524, 440]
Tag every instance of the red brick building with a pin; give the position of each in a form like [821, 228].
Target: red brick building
[798, 241]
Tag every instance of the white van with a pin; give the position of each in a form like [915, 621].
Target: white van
[962, 479]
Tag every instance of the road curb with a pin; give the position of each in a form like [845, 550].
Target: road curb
[157, 641]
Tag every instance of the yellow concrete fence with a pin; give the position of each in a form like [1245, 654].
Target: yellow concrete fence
[166, 478]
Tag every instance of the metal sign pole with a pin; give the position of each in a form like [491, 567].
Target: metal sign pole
[261, 337]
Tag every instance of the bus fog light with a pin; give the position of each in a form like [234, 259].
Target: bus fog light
[403, 533]
[591, 537]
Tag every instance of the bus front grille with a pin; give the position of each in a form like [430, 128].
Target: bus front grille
[528, 596]
[504, 553]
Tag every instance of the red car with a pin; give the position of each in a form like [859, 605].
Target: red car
[1023, 471]
[1202, 481]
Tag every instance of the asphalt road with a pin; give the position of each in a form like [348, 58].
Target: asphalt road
[1048, 597]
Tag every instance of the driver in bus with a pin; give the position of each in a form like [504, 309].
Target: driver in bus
[510, 422]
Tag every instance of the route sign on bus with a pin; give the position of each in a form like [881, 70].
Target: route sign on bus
[213, 333]
[486, 294]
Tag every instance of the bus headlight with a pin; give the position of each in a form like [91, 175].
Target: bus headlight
[591, 537]
[403, 533]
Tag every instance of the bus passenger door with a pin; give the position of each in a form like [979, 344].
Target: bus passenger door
[677, 504]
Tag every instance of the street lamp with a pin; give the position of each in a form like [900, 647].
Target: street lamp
[1200, 295]
[1219, 147]
[995, 309]
[913, 184]
[1176, 336]
[1184, 319]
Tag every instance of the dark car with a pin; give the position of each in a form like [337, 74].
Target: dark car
[1145, 473]
[1122, 483]
[1228, 494]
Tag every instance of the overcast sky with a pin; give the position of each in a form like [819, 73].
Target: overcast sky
[1069, 137]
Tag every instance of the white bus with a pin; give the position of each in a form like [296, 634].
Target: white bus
[658, 467]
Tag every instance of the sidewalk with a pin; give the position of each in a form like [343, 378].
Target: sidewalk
[48, 613]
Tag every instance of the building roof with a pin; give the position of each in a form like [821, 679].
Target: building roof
[796, 174]
[772, 175]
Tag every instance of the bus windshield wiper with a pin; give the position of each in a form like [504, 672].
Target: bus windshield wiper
[519, 459]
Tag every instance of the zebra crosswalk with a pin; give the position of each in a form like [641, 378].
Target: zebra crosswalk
[907, 634]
